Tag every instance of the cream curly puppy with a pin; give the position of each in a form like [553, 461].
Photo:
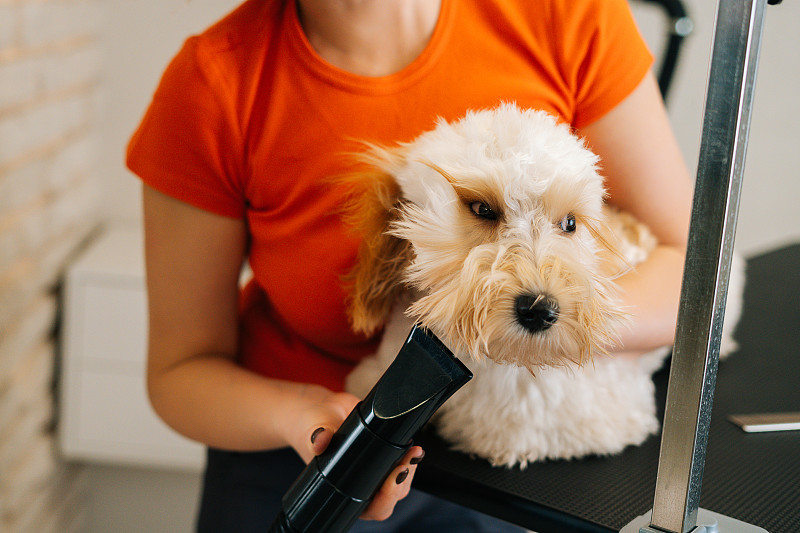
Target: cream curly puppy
[492, 232]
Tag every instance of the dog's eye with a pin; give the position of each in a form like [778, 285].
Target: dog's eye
[483, 210]
[568, 224]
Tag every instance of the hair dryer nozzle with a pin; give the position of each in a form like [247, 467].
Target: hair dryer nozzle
[422, 377]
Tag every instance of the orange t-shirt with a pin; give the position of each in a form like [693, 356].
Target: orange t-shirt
[248, 122]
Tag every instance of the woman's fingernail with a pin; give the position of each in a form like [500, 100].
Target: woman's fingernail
[401, 476]
[417, 460]
[316, 434]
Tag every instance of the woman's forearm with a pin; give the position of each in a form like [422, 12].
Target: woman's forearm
[650, 293]
[210, 399]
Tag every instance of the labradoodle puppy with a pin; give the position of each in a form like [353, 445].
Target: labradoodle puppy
[492, 232]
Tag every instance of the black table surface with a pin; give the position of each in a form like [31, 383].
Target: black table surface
[753, 477]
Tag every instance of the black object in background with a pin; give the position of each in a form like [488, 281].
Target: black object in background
[337, 485]
[679, 26]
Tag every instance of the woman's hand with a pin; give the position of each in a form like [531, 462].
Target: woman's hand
[319, 413]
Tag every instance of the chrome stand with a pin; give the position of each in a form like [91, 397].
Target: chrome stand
[707, 522]
[690, 393]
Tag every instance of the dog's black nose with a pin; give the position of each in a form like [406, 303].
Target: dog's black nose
[536, 312]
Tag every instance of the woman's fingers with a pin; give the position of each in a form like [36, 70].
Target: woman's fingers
[320, 438]
[317, 421]
[395, 488]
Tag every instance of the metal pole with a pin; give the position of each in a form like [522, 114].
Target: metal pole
[734, 58]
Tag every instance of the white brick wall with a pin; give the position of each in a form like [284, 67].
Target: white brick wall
[50, 85]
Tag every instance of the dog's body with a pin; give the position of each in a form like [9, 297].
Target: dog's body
[493, 233]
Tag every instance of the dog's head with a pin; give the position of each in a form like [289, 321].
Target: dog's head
[494, 222]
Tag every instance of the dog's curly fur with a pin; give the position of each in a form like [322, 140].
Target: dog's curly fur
[462, 225]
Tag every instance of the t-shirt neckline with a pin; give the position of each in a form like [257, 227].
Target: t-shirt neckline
[349, 81]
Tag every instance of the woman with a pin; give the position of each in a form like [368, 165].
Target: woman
[249, 121]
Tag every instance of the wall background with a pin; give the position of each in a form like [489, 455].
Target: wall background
[50, 94]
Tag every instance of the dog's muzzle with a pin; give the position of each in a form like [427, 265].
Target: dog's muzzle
[536, 312]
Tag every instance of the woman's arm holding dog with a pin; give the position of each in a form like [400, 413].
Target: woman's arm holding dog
[646, 176]
[193, 262]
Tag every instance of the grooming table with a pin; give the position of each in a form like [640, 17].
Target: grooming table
[753, 477]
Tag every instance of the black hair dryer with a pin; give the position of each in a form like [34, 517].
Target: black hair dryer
[336, 486]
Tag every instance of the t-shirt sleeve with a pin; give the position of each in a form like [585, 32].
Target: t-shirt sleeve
[604, 57]
[188, 144]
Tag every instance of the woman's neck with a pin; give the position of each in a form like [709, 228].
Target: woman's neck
[369, 37]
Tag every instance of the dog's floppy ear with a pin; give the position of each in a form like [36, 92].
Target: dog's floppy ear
[376, 279]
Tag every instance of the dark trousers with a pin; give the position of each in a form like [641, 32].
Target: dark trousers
[242, 493]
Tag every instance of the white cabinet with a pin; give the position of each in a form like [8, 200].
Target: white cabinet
[105, 414]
